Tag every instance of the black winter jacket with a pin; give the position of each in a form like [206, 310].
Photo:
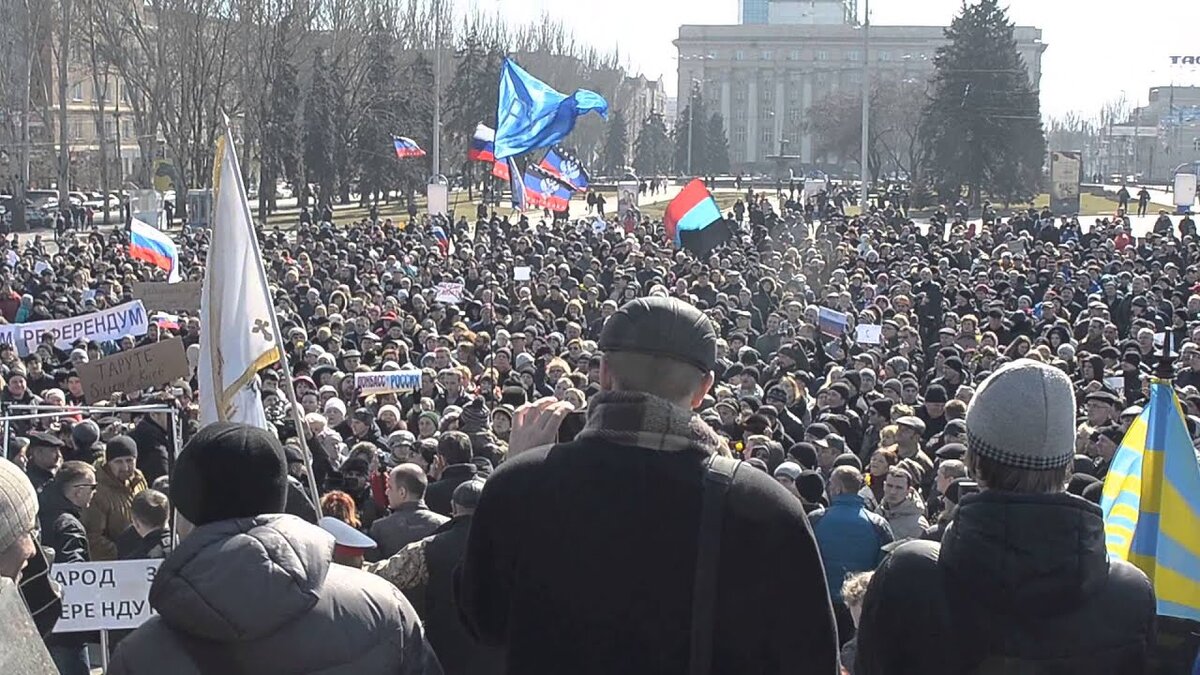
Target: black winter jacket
[1020, 584]
[581, 560]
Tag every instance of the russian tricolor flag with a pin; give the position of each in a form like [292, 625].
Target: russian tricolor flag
[692, 210]
[483, 144]
[407, 147]
[155, 247]
[443, 239]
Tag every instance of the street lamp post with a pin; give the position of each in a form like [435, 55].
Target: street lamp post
[437, 88]
[866, 102]
[691, 117]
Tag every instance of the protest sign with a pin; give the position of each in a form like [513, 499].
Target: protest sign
[107, 324]
[12, 258]
[40, 266]
[149, 366]
[522, 273]
[1116, 383]
[868, 334]
[111, 595]
[387, 381]
[832, 322]
[449, 291]
[183, 296]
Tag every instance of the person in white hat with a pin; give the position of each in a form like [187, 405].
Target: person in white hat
[349, 545]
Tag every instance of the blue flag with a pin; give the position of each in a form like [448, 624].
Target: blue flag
[532, 115]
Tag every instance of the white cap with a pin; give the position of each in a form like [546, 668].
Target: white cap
[344, 535]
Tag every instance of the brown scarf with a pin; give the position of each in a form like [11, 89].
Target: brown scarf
[646, 421]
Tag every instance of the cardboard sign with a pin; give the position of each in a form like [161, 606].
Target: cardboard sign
[448, 291]
[522, 273]
[387, 382]
[868, 334]
[111, 595]
[150, 366]
[182, 296]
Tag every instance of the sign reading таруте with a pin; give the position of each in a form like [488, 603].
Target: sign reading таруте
[153, 365]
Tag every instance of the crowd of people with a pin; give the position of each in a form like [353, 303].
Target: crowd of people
[1012, 354]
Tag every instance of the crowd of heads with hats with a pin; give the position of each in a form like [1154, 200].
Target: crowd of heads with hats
[955, 301]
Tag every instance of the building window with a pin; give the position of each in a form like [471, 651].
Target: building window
[77, 91]
[822, 55]
[739, 136]
[739, 55]
[1196, 145]
[739, 93]
[885, 55]
[767, 55]
[853, 55]
[854, 77]
[794, 55]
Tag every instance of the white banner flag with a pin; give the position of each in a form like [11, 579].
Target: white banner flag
[238, 338]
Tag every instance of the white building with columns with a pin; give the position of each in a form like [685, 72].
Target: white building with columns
[764, 78]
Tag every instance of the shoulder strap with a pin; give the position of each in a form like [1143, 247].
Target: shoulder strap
[718, 476]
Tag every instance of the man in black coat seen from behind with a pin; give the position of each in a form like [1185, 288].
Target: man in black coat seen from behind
[582, 555]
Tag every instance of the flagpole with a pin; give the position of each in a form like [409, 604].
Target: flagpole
[288, 389]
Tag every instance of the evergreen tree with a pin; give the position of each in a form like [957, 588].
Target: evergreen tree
[280, 157]
[416, 117]
[616, 144]
[716, 149]
[378, 167]
[652, 152]
[471, 96]
[318, 130]
[694, 110]
[982, 127]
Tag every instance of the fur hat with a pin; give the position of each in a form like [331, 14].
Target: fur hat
[229, 471]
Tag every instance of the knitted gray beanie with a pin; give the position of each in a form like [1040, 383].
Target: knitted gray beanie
[1023, 416]
[18, 504]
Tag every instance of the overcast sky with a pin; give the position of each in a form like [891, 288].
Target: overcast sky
[1086, 63]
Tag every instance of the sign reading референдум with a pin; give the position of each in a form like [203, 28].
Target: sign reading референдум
[106, 324]
[109, 595]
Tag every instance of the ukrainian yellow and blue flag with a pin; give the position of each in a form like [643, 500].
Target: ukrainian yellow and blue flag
[1151, 504]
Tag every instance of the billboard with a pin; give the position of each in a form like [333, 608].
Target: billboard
[1066, 169]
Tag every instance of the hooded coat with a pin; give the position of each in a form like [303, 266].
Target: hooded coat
[1020, 584]
[262, 595]
[907, 518]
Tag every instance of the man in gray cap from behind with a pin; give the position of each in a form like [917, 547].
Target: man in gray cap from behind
[1022, 581]
[22, 562]
[579, 546]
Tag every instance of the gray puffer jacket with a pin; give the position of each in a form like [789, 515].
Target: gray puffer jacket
[262, 595]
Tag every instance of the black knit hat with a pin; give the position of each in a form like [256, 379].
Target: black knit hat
[118, 447]
[229, 471]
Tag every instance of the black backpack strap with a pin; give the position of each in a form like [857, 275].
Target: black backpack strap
[718, 476]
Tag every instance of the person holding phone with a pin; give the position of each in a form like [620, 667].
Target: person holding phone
[579, 546]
